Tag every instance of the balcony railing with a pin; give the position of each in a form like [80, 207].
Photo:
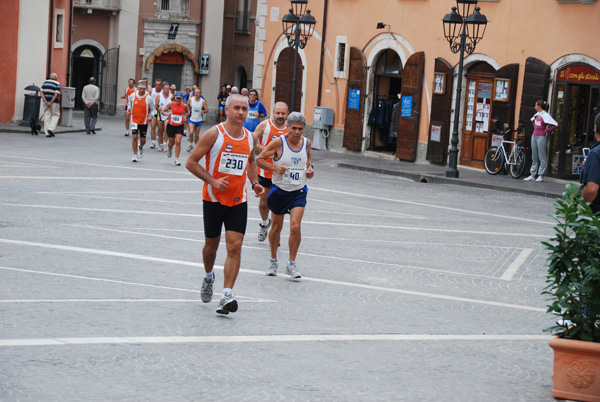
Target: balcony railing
[113, 5]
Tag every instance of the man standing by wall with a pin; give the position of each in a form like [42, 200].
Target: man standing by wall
[51, 109]
[90, 96]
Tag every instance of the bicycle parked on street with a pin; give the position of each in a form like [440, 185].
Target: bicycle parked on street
[497, 158]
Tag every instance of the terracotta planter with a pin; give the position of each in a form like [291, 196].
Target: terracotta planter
[576, 371]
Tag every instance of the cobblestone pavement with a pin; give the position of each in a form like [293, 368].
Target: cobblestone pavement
[411, 291]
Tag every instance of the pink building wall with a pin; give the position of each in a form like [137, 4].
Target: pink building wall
[517, 29]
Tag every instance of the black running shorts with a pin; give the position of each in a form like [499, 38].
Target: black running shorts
[215, 215]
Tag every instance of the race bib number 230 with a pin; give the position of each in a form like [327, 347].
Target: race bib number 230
[234, 164]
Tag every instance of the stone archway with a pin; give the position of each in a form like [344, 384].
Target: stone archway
[172, 47]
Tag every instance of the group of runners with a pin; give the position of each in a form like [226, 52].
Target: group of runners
[224, 157]
[170, 114]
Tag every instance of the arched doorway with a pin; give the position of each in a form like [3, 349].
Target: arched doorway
[85, 64]
[240, 77]
[284, 76]
[169, 67]
[387, 85]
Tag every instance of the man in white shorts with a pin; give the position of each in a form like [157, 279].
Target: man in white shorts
[292, 165]
[162, 100]
[157, 89]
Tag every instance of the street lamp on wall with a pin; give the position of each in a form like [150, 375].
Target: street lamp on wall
[460, 26]
[298, 27]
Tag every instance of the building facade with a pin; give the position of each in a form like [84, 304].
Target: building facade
[388, 73]
[186, 42]
[36, 43]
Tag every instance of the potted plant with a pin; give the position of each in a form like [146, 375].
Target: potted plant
[573, 284]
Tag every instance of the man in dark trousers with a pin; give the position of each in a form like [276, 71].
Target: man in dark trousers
[590, 177]
[90, 96]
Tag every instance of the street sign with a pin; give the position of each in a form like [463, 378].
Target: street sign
[173, 31]
[204, 63]
[406, 107]
[354, 99]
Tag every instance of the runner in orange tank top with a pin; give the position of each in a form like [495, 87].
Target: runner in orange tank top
[177, 111]
[266, 132]
[229, 158]
[128, 91]
[140, 106]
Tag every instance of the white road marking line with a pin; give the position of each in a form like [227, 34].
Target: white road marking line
[17, 301]
[94, 178]
[516, 264]
[304, 222]
[99, 165]
[262, 273]
[245, 246]
[123, 211]
[267, 338]
[421, 204]
[90, 278]
[355, 207]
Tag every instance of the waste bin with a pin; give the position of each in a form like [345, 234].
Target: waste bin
[31, 108]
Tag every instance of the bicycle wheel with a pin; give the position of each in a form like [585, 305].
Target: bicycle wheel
[518, 168]
[493, 160]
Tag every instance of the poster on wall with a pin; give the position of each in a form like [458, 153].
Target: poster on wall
[406, 108]
[354, 99]
[577, 166]
[436, 133]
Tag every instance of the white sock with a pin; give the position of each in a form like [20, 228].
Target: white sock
[290, 262]
[226, 291]
[209, 275]
[265, 223]
[272, 259]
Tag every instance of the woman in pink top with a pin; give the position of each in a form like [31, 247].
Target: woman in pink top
[543, 123]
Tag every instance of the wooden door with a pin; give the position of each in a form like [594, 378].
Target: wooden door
[476, 121]
[408, 127]
[353, 123]
[504, 105]
[441, 105]
[283, 79]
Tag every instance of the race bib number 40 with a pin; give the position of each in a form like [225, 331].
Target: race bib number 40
[234, 164]
[294, 176]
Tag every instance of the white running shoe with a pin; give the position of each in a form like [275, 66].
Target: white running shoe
[177, 163]
[291, 270]
[190, 147]
[227, 305]
[170, 152]
[272, 270]
[126, 133]
[153, 145]
[540, 178]
[263, 231]
[134, 159]
[141, 152]
[530, 178]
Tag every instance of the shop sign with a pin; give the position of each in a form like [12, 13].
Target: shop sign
[406, 106]
[354, 99]
[579, 73]
[170, 58]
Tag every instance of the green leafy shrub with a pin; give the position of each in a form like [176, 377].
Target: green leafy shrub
[573, 279]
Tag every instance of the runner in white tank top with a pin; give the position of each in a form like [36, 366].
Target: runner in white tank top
[197, 106]
[153, 92]
[292, 166]
[162, 100]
